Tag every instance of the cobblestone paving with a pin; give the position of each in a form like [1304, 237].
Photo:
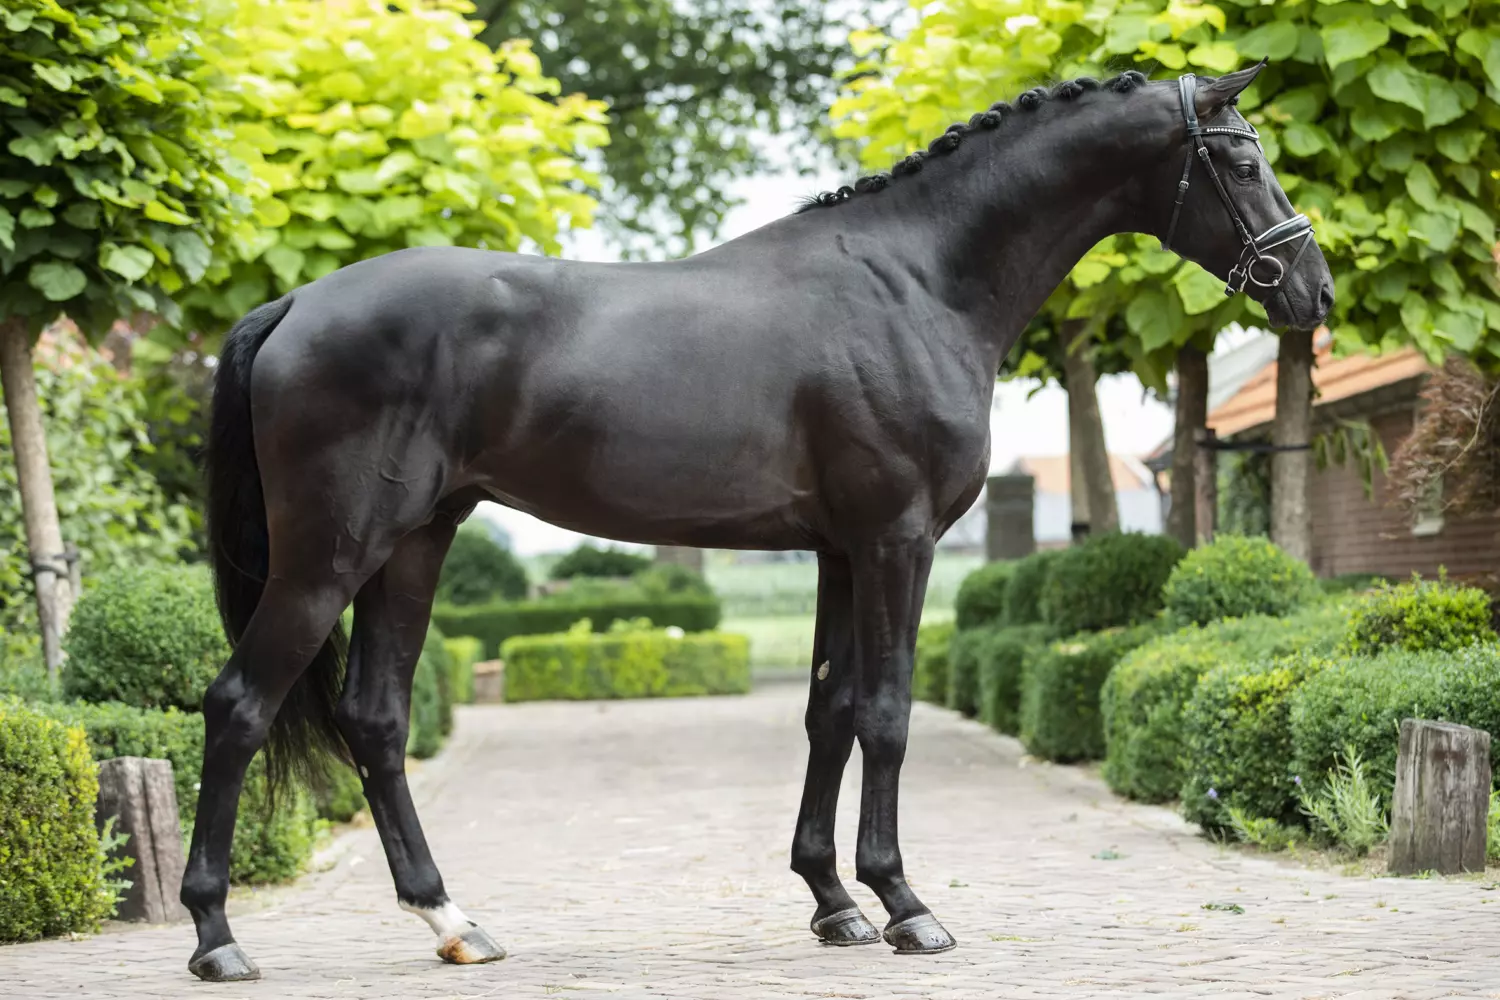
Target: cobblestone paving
[640, 849]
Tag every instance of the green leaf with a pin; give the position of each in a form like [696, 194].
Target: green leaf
[1438, 231]
[1476, 220]
[1460, 145]
[35, 218]
[1274, 40]
[286, 263]
[1354, 37]
[7, 228]
[1221, 57]
[190, 253]
[1199, 290]
[1462, 329]
[158, 212]
[1484, 45]
[57, 281]
[1422, 185]
[131, 263]
[54, 75]
[82, 214]
[1375, 121]
[1302, 139]
[39, 149]
[1397, 81]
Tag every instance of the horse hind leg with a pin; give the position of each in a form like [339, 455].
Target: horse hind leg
[391, 614]
[830, 736]
[290, 625]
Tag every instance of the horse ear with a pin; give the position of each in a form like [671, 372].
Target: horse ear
[1212, 95]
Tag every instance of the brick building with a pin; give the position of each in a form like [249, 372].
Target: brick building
[1353, 533]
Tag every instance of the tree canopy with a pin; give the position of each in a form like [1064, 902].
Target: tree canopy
[692, 89]
[112, 174]
[1374, 116]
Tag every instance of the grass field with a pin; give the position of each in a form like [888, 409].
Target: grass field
[774, 604]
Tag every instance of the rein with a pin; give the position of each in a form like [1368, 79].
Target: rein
[1255, 247]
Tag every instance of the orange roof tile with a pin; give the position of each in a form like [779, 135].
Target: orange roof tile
[1333, 379]
[1053, 473]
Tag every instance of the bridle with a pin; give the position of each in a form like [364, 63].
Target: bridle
[1254, 254]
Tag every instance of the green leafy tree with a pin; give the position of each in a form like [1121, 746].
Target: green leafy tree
[694, 89]
[112, 181]
[382, 127]
[591, 561]
[1375, 117]
[478, 569]
[116, 513]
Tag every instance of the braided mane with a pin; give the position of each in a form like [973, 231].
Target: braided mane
[986, 121]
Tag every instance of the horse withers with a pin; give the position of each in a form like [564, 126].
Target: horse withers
[823, 383]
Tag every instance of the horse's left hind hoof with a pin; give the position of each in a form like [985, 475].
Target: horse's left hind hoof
[227, 963]
[845, 928]
[472, 947]
[919, 935]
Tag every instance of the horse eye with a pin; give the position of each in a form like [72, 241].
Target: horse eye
[1245, 171]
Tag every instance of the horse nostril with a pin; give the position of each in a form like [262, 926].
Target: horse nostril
[1325, 298]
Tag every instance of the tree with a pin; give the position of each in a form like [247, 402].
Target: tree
[591, 561]
[479, 569]
[111, 183]
[1375, 117]
[380, 128]
[692, 89]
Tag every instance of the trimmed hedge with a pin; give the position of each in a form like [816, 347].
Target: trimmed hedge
[1060, 717]
[981, 597]
[1023, 594]
[1359, 702]
[147, 636]
[929, 679]
[1237, 742]
[1234, 576]
[431, 711]
[634, 663]
[1420, 615]
[493, 624]
[52, 877]
[1003, 654]
[463, 652]
[1145, 695]
[963, 671]
[1109, 581]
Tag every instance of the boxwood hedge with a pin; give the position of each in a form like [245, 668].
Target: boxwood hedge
[634, 663]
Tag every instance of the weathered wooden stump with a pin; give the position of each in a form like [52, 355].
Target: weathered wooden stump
[1442, 798]
[140, 793]
[489, 682]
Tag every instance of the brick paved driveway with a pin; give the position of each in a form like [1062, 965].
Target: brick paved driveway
[640, 849]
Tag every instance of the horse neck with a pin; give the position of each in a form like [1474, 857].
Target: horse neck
[998, 224]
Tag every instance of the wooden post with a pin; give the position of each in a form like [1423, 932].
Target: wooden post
[139, 792]
[1010, 508]
[1442, 798]
[1205, 485]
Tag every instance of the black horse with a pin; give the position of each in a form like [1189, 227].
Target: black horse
[822, 383]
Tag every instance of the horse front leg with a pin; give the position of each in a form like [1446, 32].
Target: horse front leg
[890, 582]
[830, 738]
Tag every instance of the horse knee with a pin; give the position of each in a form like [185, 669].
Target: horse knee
[830, 719]
[881, 727]
[233, 717]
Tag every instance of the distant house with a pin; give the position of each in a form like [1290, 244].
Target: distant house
[1135, 493]
[1352, 533]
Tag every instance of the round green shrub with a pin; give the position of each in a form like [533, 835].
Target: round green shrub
[52, 878]
[148, 636]
[590, 560]
[431, 719]
[1109, 581]
[981, 597]
[1003, 654]
[478, 570]
[963, 671]
[1237, 742]
[1234, 576]
[1023, 593]
[1420, 615]
[1147, 692]
[1358, 702]
[341, 795]
[1060, 717]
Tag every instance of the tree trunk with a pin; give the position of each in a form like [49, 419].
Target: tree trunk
[1089, 456]
[54, 594]
[1291, 519]
[1192, 416]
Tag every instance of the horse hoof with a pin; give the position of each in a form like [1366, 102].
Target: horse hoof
[919, 935]
[845, 928]
[227, 963]
[472, 947]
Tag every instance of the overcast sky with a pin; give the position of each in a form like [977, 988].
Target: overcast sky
[1134, 424]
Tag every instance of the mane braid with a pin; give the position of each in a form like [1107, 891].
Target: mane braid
[984, 121]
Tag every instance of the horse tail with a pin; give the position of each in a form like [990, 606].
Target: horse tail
[239, 551]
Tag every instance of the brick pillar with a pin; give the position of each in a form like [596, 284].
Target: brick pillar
[1010, 506]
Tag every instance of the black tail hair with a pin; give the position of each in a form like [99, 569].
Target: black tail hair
[239, 551]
